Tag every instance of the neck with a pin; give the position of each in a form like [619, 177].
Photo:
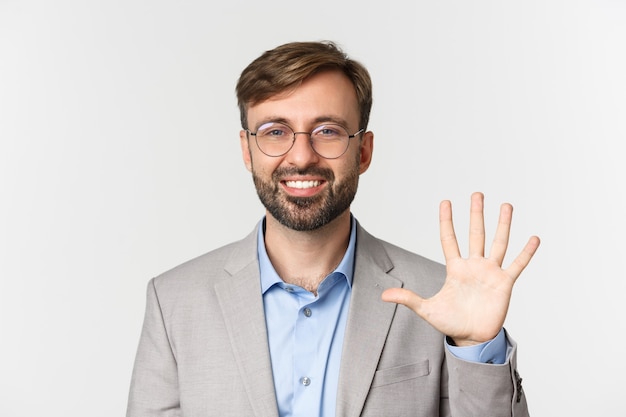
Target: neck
[306, 258]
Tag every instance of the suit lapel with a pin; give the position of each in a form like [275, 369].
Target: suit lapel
[242, 307]
[368, 323]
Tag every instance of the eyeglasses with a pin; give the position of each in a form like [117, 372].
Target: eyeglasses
[329, 141]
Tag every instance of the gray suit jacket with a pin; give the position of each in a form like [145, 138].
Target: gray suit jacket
[203, 350]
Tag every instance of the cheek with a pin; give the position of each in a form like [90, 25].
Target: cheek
[353, 164]
[346, 173]
[262, 167]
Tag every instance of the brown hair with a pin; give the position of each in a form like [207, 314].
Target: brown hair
[288, 65]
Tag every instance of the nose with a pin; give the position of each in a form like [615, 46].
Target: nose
[301, 153]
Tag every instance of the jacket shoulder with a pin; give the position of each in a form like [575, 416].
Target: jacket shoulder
[214, 265]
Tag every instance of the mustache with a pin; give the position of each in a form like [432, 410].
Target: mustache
[325, 173]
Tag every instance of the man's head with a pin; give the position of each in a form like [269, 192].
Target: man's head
[300, 109]
[285, 67]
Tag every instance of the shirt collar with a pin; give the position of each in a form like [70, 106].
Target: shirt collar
[269, 277]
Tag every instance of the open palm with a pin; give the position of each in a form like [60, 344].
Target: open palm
[472, 304]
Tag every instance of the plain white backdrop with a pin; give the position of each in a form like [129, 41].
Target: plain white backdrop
[119, 159]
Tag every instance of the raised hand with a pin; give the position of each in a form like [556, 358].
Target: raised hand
[472, 304]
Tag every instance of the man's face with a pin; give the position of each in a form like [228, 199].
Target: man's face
[302, 190]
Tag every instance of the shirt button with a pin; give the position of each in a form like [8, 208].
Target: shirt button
[306, 381]
[307, 312]
[289, 289]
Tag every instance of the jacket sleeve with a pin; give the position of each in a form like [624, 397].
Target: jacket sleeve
[154, 384]
[478, 389]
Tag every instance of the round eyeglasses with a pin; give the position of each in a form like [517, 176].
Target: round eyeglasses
[329, 140]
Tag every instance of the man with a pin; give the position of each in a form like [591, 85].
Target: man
[301, 318]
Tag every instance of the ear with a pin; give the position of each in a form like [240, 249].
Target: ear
[367, 148]
[245, 149]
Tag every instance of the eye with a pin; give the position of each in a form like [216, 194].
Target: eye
[274, 130]
[329, 132]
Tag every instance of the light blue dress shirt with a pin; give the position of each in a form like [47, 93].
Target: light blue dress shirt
[306, 333]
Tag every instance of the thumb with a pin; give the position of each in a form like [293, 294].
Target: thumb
[403, 296]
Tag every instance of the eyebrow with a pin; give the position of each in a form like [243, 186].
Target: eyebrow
[316, 122]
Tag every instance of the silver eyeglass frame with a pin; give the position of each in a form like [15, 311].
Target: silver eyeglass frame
[295, 134]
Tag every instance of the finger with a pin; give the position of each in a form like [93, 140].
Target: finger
[477, 226]
[501, 239]
[523, 258]
[405, 297]
[449, 243]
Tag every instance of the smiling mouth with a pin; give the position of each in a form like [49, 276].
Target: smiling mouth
[302, 185]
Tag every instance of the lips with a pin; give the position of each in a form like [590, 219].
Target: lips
[303, 188]
[303, 182]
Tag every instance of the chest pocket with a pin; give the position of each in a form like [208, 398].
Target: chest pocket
[400, 373]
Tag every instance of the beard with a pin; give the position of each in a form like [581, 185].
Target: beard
[307, 213]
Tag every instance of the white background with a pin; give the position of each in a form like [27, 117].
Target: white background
[119, 159]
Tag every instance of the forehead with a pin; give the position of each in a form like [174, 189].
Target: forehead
[324, 96]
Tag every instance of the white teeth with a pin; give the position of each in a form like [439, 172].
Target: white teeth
[302, 184]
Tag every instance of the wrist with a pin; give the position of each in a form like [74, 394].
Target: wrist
[461, 342]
